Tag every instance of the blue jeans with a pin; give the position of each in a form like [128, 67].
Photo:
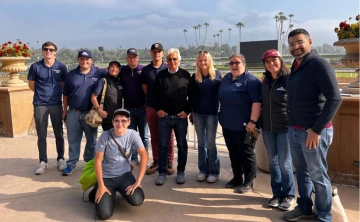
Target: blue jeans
[138, 122]
[311, 169]
[282, 177]
[166, 125]
[76, 126]
[208, 159]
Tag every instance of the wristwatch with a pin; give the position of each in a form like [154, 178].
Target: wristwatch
[252, 121]
[98, 108]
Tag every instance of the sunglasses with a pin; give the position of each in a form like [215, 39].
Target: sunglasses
[122, 121]
[203, 52]
[172, 59]
[47, 49]
[234, 63]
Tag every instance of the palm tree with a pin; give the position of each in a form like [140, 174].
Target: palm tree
[277, 28]
[206, 25]
[229, 29]
[214, 39]
[291, 26]
[185, 31]
[239, 25]
[290, 17]
[199, 26]
[221, 31]
[217, 35]
[195, 27]
[350, 20]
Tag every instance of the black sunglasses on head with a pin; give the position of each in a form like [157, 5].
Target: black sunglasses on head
[204, 51]
[172, 59]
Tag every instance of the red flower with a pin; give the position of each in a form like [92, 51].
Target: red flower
[33, 53]
[24, 54]
[5, 44]
[346, 27]
[9, 42]
[16, 51]
[9, 51]
[342, 24]
[336, 29]
[1, 53]
[17, 47]
[20, 42]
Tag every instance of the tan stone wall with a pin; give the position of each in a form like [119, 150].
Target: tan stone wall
[344, 150]
[16, 113]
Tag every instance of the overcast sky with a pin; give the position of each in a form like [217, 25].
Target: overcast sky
[139, 23]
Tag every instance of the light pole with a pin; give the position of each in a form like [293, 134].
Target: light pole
[101, 49]
[38, 50]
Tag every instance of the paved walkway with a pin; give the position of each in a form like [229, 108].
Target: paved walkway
[52, 197]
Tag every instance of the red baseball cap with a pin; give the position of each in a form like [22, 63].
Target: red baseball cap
[271, 52]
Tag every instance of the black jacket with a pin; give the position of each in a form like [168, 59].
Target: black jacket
[313, 93]
[113, 96]
[172, 92]
[274, 116]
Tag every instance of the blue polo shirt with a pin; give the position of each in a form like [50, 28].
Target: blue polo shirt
[148, 75]
[236, 98]
[79, 87]
[205, 94]
[47, 82]
[134, 96]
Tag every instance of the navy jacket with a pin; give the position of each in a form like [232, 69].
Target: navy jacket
[313, 93]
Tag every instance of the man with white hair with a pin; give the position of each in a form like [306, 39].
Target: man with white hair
[171, 102]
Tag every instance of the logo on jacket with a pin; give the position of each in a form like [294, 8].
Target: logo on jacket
[281, 89]
[238, 84]
[139, 72]
[120, 87]
[56, 70]
[95, 79]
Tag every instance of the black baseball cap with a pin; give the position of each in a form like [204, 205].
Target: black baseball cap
[157, 46]
[131, 51]
[115, 63]
[123, 112]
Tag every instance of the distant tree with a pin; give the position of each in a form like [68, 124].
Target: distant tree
[199, 27]
[229, 29]
[239, 25]
[185, 31]
[221, 31]
[214, 39]
[206, 25]
[195, 27]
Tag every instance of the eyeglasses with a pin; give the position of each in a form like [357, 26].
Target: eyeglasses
[172, 59]
[122, 121]
[271, 60]
[234, 63]
[293, 44]
[47, 49]
[204, 51]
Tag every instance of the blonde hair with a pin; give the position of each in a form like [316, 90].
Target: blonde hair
[198, 73]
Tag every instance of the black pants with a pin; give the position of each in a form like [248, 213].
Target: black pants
[106, 126]
[105, 208]
[242, 156]
[41, 116]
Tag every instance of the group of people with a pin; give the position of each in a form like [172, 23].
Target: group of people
[294, 108]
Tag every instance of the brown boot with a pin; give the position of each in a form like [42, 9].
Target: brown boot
[152, 168]
[170, 169]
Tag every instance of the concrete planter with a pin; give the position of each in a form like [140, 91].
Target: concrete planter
[13, 65]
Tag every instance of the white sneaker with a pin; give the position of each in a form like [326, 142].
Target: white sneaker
[61, 164]
[212, 179]
[41, 169]
[201, 177]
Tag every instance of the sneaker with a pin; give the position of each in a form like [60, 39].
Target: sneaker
[212, 179]
[61, 164]
[296, 215]
[68, 170]
[152, 168]
[245, 187]
[41, 168]
[170, 169]
[201, 177]
[286, 203]
[134, 161]
[180, 178]
[160, 179]
[233, 183]
[274, 202]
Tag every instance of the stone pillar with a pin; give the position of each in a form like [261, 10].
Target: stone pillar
[16, 113]
[343, 154]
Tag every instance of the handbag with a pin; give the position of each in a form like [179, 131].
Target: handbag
[88, 176]
[93, 118]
